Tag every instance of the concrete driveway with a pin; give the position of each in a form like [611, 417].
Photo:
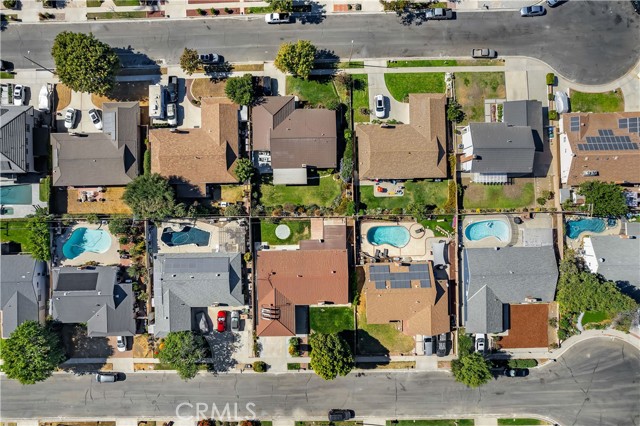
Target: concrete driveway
[395, 110]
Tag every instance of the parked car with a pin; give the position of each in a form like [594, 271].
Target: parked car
[18, 95]
[70, 118]
[562, 102]
[106, 377]
[5, 66]
[222, 321]
[43, 98]
[172, 88]
[121, 343]
[442, 345]
[210, 58]
[516, 372]
[277, 18]
[266, 86]
[439, 13]
[95, 118]
[554, 3]
[480, 342]
[428, 345]
[340, 415]
[483, 53]
[235, 321]
[529, 11]
[380, 110]
[172, 114]
[203, 324]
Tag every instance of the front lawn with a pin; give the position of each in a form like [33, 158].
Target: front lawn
[360, 97]
[435, 422]
[597, 102]
[472, 88]
[205, 87]
[322, 194]
[421, 192]
[380, 339]
[300, 230]
[317, 91]
[16, 231]
[594, 317]
[400, 85]
[524, 422]
[329, 320]
[517, 195]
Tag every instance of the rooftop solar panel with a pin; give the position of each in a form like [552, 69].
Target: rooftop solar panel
[622, 123]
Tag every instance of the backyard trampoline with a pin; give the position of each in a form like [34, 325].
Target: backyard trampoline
[187, 235]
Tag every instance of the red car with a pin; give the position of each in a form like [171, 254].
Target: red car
[222, 321]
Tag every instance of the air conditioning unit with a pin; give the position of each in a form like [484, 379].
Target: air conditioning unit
[304, 166]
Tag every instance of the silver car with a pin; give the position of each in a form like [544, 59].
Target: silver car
[380, 110]
[172, 115]
[235, 321]
[529, 11]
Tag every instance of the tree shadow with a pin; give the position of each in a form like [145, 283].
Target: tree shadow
[310, 12]
[223, 347]
[131, 58]
[369, 345]
[220, 71]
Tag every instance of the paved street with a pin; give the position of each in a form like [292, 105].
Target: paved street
[589, 42]
[596, 382]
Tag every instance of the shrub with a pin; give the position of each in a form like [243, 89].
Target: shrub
[553, 346]
[553, 114]
[228, 11]
[215, 12]
[551, 96]
[293, 366]
[541, 200]
[260, 366]
[358, 6]
[212, 11]
[551, 79]
[92, 218]
[248, 257]
[553, 322]
[147, 162]
[201, 12]
[522, 363]
[10, 4]
[123, 240]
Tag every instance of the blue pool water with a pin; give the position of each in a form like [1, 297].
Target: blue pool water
[83, 239]
[15, 194]
[488, 228]
[397, 236]
[188, 235]
[577, 227]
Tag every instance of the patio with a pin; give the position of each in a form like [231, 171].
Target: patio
[418, 247]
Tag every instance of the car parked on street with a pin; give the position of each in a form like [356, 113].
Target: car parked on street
[18, 95]
[5, 66]
[480, 343]
[554, 3]
[529, 11]
[210, 58]
[95, 118]
[484, 53]
[428, 345]
[106, 377]
[172, 114]
[277, 18]
[235, 321]
[70, 118]
[438, 13]
[516, 372]
[340, 415]
[222, 321]
[121, 343]
[380, 109]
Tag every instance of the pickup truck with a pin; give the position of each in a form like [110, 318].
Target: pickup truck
[439, 13]
[277, 18]
[483, 53]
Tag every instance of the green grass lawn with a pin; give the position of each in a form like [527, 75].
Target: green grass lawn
[352, 64]
[127, 2]
[400, 85]
[94, 3]
[4, 74]
[300, 230]
[423, 192]
[116, 15]
[443, 63]
[432, 224]
[14, 230]
[360, 97]
[321, 195]
[594, 316]
[45, 189]
[316, 91]
[435, 422]
[258, 9]
[329, 320]
[524, 422]
[472, 88]
[479, 196]
[597, 102]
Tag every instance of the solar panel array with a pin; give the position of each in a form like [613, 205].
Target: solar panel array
[607, 141]
[575, 124]
[380, 274]
[632, 124]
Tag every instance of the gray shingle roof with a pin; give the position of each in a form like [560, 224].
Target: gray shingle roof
[193, 280]
[620, 257]
[18, 298]
[526, 113]
[499, 148]
[13, 138]
[93, 296]
[506, 276]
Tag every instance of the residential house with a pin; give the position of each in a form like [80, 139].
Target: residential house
[288, 141]
[495, 279]
[23, 291]
[107, 158]
[496, 152]
[408, 295]
[187, 283]
[603, 147]
[417, 150]
[195, 159]
[93, 295]
[16, 140]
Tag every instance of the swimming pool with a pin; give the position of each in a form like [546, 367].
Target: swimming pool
[83, 239]
[488, 228]
[15, 194]
[188, 235]
[397, 236]
[577, 227]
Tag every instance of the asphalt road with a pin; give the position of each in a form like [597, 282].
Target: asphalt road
[595, 383]
[588, 42]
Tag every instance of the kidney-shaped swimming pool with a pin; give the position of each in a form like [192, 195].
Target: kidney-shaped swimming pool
[397, 236]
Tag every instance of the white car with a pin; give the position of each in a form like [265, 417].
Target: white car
[18, 95]
[172, 114]
[43, 99]
[121, 344]
[562, 102]
[277, 18]
[380, 110]
[95, 118]
[480, 343]
[70, 118]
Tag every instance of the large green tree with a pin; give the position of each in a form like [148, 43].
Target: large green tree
[120, 225]
[296, 58]
[281, 5]
[189, 60]
[38, 237]
[183, 351]
[84, 63]
[241, 90]
[151, 197]
[244, 169]
[31, 353]
[473, 370]
[330, 356]
[607, 198]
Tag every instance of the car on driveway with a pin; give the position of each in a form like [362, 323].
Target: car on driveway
[210, 58]
[70, 118]
[172, 88]
[442, 345]
[529, 11]
[203, 324]
[483, 53]
[121, 343]
[235, 321]
[222, 321]
[480, 342]
[172, 114]
[380, 110]
[428, 345]
[340, 415]
[95, 118]
[516, 372]
[18, 95]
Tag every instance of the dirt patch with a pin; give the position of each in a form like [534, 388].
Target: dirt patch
[137, 91]
[472, 88]
[528, 327]
[63, 96]
[206, 88]
[113, 203]
[248, 67]
[143, 367]
[141, 346]
[444, 365]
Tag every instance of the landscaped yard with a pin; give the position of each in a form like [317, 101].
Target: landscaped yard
[523, 422]
[45, 189]
[400, 85]
[472, 88]
[117, 15]
[329, 320]
[597, 102]
[205, 87]
[380, 339]
[360, 96]
[517, 195]
[231, 193]
[434, 422]
[316, 91]
[322, 194]
[124, 91]
[422, 192]
[63, 96]
[594, 317]
[435, 224]
[14, 230]
[300, 230]
[67, 202]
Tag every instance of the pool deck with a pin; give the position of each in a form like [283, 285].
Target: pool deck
[110, 257]
[220, 240]
[578, 242]
[418, 247]
[23, 210]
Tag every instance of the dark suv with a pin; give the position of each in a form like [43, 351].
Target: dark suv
[442, 345]
[172, 89]
[340, 415]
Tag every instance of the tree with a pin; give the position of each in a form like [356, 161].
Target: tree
[136, 271]
[296, 58]
[465, 343]
[241, 90]
[244, 169]
[472, 370]
[189, 60]
[281, 5]
[234, 210]
[31, 353]
[330, 356]
[120, 225]
[182, 351]
[454, 112]
[10, 4]
[38, 238]
[150, 197]
[84, 63]
[607, 198]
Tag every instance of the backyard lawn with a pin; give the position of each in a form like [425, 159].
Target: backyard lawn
[517, 195]
[422, 192]
[14, 230]
[330, 320]
[380, 339]
[300, 230]
[435, 224]
[400, 85]
[597, 102]
[45, 189]
[435, 422]
[321, 195]
[316, 91]
[231, 193]
[472, 88]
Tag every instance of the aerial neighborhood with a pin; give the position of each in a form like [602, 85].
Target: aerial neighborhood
[306, 209]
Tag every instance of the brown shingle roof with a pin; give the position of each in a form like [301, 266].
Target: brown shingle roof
[302, 277]
[618, 166]
[406, 151]
[265, 116]
[422, 310]
[528, 326]
[196, 157]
